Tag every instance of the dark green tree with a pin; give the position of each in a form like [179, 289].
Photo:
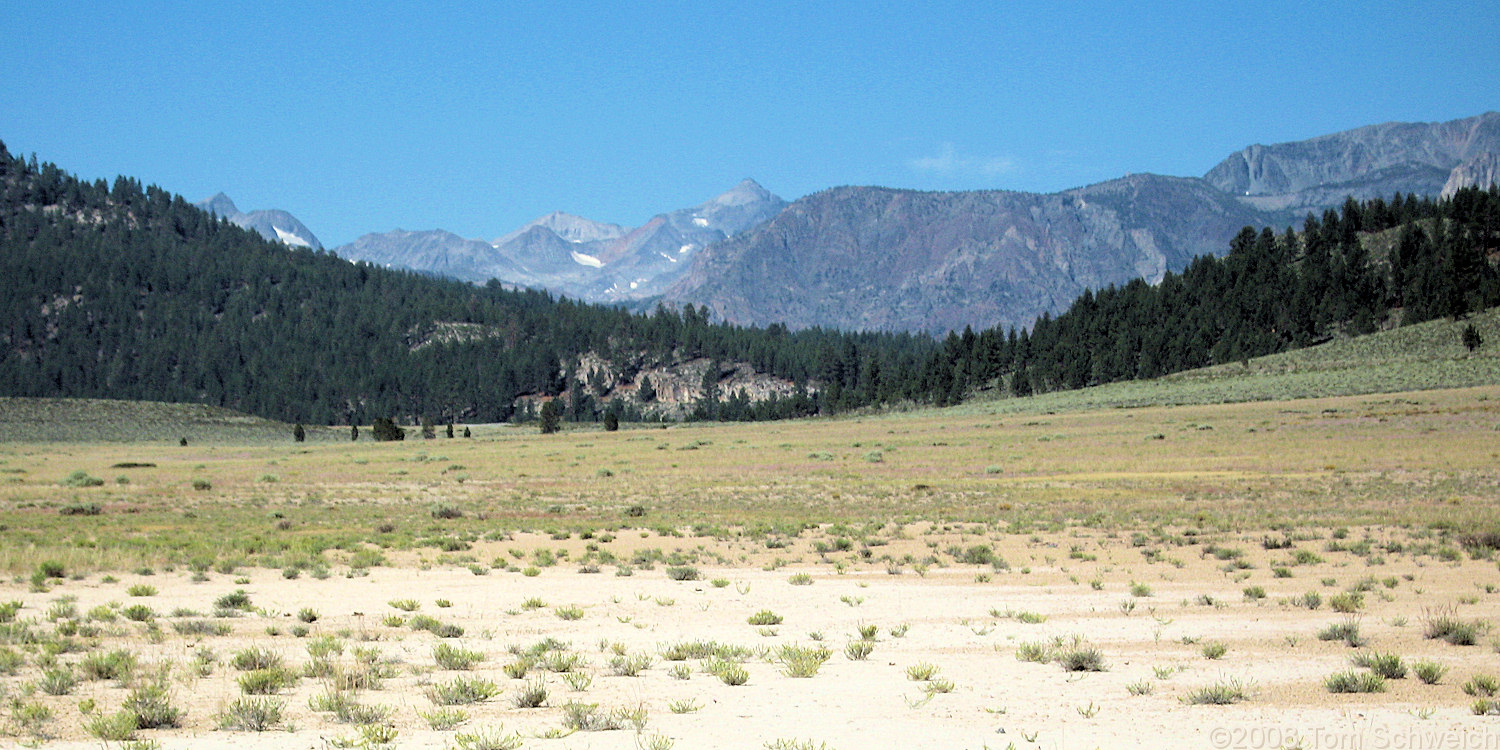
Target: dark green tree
[385, 429]
[611, 420]
[299, 434]
[353, 432]
[550, 417]
[1472, 339]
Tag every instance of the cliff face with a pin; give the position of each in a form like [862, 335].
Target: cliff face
[1365, 162]
[677, 384]
[1481, 171]
[881, 259]
[875, 258]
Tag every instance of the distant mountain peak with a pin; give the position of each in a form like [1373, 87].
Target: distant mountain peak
[219, 204]
[569, 227]
[744, 191]
[273, 224]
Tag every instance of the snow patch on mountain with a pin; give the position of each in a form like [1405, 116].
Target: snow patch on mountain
[586, 260]
[289, 237]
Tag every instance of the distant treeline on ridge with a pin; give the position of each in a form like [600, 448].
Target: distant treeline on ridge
[129, 292]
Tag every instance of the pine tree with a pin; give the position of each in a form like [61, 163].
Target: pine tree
[1471, 337]
[353, 432]
[385, 429]
[299, 434]
[550, 418]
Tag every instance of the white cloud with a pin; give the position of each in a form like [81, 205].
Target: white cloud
[951, 161]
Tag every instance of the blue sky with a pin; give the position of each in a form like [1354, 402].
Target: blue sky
[478, 117]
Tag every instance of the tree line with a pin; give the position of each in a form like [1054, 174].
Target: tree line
[127, 291]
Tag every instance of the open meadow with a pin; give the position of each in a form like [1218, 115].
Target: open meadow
[1317, 572]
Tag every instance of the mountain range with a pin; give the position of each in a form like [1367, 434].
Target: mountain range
[877, 258]
[578, 257]
[273, 224]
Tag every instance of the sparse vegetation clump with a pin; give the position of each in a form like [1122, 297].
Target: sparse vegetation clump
[462, 691]
[252, 714]
[1354, 682]
[1218, 694]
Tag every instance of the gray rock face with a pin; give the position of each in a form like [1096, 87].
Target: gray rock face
[1481, 171]
[874, 258]
[882, 259]
[273, 224]
[1365, 162]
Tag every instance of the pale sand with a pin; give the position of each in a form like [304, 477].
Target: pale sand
[997, 700]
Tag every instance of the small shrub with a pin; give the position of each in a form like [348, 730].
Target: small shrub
[1081, 658]
[81, 478]
[443, 719]
[115, 727]
[1346, 631]
[801, 661]
[1354, 682]
[1218, 694]
[1389, 666]
[532, 695]
[462, 691]
[455, 658]
[858, 650]
[486, 739]
[58, 680]
[138, 613]
[1214, 650]
[445, 511]
[235, 600]
[586, 717]
[730, 673]
[1482, 685]
[151, 705]
[921, 672]
[683, 573]
[765, 617]
[115, 665]
[1429, 672]
[267, 681]
[629, 666]
[254, 658]
[1443, 624]
[251, 714]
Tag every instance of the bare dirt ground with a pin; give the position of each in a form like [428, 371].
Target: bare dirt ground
[966, 621]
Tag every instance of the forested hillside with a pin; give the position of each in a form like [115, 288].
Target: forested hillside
[129, 292]
[1269, 294]
[119, 291]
